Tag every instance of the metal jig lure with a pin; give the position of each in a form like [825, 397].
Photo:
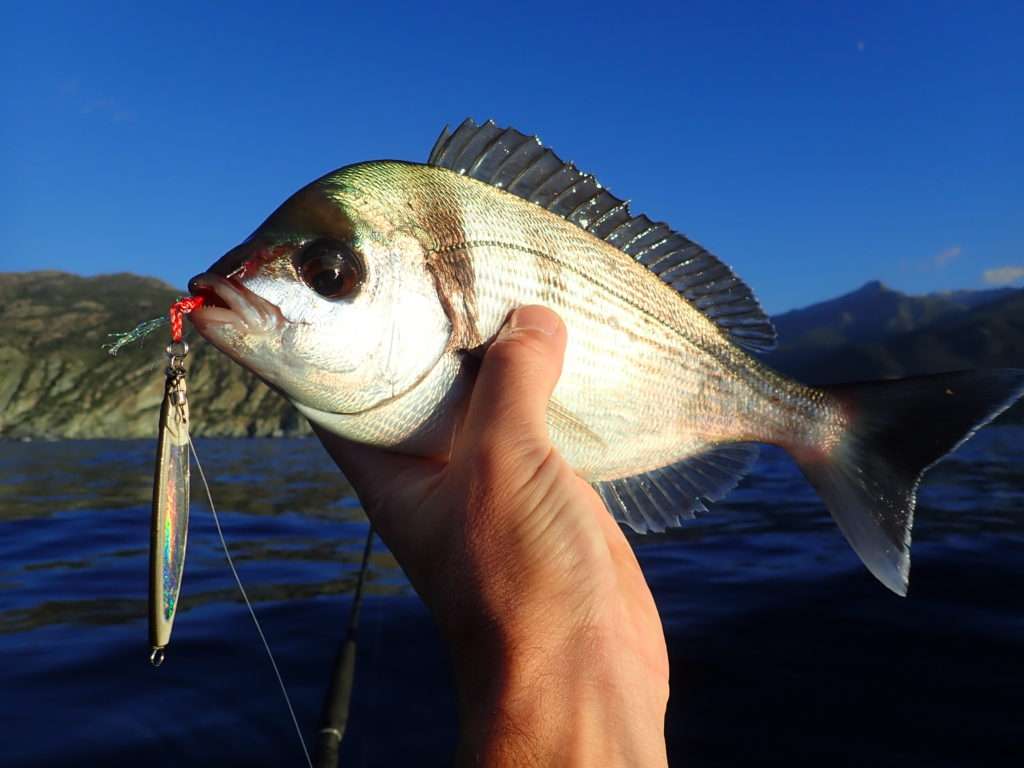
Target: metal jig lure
[169, 530]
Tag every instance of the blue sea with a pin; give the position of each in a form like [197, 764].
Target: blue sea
[784, 650]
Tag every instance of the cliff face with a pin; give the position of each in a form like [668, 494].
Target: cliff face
[56, 380]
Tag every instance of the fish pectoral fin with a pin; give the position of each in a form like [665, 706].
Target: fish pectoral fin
[562, 420]
[664, 497]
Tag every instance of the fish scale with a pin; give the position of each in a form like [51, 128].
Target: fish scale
[368, 297]
[678, 362]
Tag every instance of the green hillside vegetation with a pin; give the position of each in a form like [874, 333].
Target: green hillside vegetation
[57, 382]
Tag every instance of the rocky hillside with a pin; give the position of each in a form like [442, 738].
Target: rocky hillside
[876, 332]
[871, 315]
[879, 333]
[57, 381]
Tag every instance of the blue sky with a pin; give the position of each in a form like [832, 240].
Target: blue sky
[813, 146]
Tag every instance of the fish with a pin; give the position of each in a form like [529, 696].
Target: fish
[368, 297]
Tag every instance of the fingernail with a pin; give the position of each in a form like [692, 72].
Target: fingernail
[533, 319]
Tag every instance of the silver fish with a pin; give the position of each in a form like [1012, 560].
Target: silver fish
[365, 296]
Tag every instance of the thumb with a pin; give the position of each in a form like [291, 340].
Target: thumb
[506, 414]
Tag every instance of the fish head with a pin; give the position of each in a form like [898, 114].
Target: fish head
[330, 300]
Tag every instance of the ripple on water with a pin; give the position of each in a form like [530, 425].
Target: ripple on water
[770, 618]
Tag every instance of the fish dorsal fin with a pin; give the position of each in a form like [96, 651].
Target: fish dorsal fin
[664, 497]
[520, 164]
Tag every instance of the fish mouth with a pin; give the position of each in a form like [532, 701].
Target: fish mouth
[229, 303]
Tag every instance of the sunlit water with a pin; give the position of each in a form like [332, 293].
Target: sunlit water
[784, 650]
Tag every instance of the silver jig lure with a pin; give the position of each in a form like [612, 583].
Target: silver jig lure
[169, 528]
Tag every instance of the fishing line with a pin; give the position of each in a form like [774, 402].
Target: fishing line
[170, 529]
[248, 604]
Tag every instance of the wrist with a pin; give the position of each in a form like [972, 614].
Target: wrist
[577, 698]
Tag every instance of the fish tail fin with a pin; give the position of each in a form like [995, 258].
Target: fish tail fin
[896, 430]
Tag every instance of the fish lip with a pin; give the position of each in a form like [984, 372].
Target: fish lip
[228, 302]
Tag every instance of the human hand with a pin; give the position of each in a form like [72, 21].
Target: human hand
[558, 649]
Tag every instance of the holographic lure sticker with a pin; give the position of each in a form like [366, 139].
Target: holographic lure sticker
[169, 532]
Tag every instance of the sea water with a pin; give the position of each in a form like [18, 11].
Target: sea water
[783, 649]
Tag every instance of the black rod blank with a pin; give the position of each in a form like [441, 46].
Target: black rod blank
[334, 717]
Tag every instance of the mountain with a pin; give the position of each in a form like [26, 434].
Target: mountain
[990, 335]
[877, 333]
[57, 381]
[869, 315]
[970, 299]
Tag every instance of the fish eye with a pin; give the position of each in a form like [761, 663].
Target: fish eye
[330, 268]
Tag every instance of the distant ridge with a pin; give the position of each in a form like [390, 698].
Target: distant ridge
[869, 314]
[875, 332]
[57, 382]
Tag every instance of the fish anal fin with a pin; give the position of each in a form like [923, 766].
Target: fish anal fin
[664, 497]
